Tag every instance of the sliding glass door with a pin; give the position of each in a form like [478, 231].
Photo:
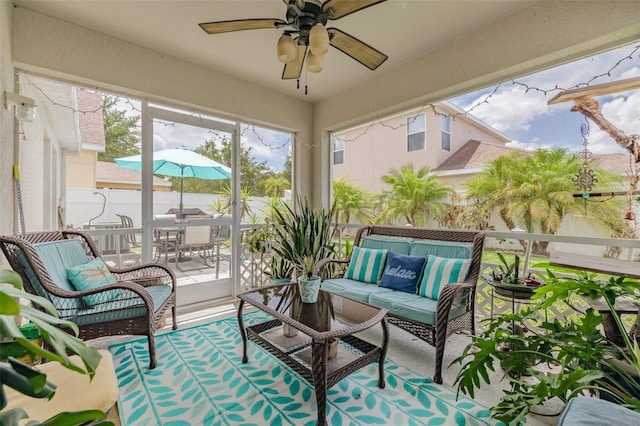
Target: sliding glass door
[193, 228]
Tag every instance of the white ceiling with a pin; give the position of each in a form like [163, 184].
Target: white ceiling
[403, 30]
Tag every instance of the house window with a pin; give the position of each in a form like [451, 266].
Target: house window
[338, 151]
[446, 133]
[416, 134]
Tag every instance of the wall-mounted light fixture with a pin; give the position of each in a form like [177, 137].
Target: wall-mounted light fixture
[25, 107]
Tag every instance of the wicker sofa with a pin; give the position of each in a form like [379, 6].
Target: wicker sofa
[134, 303]
[428, 319]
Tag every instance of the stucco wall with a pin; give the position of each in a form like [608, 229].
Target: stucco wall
[6, 124]
[81, 169]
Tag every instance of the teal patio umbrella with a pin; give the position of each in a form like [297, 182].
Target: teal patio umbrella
[179, 162]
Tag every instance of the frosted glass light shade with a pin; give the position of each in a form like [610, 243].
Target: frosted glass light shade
[319, 40]
[314, 62]
[286, 49]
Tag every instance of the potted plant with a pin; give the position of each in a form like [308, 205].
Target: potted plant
[280, 270]
[260, 239]
[303, 234]
[308, 283]
[584, 360]
[29, 380]
[508, 282]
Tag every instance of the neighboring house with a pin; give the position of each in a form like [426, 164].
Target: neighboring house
[422, 137]
[109, 175]
[468, 161]
[84, 170]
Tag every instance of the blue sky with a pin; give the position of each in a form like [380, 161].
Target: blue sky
[526, 118]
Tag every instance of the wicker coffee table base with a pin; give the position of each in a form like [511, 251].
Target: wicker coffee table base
[310, 359]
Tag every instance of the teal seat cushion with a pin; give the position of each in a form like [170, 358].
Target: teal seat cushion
[352, 289]
[411, 306]
[126, 305]
[396, 245]
[91, 275]
[447, 249]
[586, 411]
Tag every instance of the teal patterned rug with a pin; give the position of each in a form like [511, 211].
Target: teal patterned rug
[200, 380]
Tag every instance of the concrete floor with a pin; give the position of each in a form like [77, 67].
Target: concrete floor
[404, 349]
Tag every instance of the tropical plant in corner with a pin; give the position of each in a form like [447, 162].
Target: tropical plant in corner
[27, 379]
[584, 360]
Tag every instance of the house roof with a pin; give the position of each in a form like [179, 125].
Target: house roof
[110, 172]
[473, 154]
[91, 122]
[617, 162]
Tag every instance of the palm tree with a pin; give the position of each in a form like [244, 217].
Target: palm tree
[414, 196]
[536, 191]
[276, 185]
[349, 199]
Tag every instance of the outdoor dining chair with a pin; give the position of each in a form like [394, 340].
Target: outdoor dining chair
[197, 239]
[65, 268]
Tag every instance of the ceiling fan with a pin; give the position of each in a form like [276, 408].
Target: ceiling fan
[305, 35]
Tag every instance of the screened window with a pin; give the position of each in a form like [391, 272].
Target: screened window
[338, 151]
[416, 135]
[446, 133]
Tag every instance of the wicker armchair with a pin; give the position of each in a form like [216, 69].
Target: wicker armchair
[133, 305]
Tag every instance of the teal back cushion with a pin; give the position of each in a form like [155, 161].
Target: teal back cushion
[396, 245]
[366, 265]
[449, 249]
[56, 257]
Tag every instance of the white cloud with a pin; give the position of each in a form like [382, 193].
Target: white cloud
[630, 73]
[510, 108]
[622, 112]
[528, 146]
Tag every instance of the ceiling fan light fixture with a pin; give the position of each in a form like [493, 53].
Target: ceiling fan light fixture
[286, 49]
[314, 62]
[319, 40]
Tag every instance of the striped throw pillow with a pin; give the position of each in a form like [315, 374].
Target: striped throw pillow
[441, 271]
[366, 265]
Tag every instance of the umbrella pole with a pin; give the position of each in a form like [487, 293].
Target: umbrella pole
[180, 206]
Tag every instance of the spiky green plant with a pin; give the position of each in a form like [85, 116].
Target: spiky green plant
[303, 233]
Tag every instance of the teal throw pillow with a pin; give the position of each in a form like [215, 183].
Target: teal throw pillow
[441, 271]
[366, 265]
[402, 272]
[90, 275]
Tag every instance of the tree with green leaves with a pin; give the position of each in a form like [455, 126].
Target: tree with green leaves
[414, 196]
[276, 185]
[121, 134]
[535, 191]
[254, 174]
[349, 199]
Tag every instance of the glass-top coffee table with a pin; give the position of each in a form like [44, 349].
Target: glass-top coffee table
[306, 336]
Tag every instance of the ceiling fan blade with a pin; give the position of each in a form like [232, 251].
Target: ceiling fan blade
[293, 69]
[241, 25]
[358, 50]
[340, 8]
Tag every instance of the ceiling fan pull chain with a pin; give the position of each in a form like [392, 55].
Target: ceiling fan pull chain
[305, 89]
[298, 84]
